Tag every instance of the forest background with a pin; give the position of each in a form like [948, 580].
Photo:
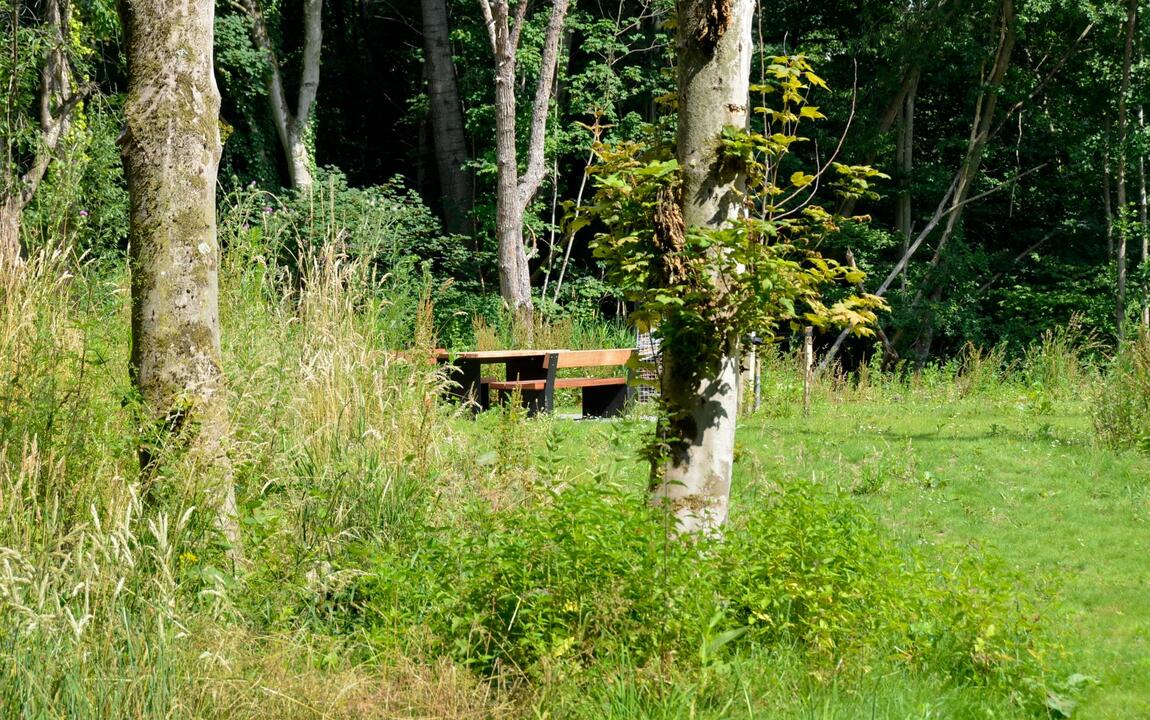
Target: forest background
[1030, 115]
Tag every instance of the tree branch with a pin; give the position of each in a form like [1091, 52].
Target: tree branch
[517, 26]
[534, 172]
[281, 113]
[489, 23]
[312, 50]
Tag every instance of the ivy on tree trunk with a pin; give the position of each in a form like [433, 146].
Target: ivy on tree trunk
[714, 66]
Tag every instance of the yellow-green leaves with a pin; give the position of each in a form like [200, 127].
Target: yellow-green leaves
[801, 179]
[707, 287]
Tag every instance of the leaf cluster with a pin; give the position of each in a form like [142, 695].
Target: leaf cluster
[761, 272]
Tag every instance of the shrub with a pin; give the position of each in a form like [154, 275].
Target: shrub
[591, 575]
[1121, 404]
[587, 574]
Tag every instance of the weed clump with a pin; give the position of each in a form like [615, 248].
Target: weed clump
[1121, 404]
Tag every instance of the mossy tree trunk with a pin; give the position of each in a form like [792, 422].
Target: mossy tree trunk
[714, 65]
[171, 151]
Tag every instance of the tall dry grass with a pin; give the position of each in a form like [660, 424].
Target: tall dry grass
[115, 602]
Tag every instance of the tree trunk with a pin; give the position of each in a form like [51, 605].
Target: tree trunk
[451, 156]
[1123, 138]
[171, 151]
[1107, 210]
[57, 102]
[11, 251]
[514, 276]
[714, 67]
[292, 127]
[904, 164]
[1143, 231]
[514, 192]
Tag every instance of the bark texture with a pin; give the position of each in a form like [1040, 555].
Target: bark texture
[451, 154]
[714, 66]
[515, 191]
[1143, 230]
[10, 249]
[292, 126]
[171, 151]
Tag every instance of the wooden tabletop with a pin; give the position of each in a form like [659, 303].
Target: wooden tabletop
[493, 355]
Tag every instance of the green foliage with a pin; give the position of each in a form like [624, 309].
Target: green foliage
[705, 289]
[386, 231]
[251, 146]
[812, 570]
[382, 531]
[83, 201]
[1121, 404]
[588, 576]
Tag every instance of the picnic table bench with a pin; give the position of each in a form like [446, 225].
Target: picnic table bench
[534, 375]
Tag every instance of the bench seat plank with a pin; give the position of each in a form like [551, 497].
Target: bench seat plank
[507, 385]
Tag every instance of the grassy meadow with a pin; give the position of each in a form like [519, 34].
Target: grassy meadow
[952, 545]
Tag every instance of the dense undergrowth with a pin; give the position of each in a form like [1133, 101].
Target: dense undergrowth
[401, 560]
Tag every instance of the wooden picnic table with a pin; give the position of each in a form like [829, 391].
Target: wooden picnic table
[532, 373]
[520, 365]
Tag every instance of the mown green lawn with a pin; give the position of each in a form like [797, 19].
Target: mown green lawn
[1019, 479]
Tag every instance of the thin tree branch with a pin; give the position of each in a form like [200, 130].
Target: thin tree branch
[312, 50]
[535, 170]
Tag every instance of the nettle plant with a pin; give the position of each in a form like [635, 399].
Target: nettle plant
[704, 288]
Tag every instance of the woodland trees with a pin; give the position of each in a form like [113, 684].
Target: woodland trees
[293, 125]
[1005, 127]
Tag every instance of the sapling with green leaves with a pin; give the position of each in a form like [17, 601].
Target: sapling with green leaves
[717, 238]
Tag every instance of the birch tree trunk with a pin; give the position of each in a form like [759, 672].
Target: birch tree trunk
[1143, 231]
[293, 127]
[515, 191]
[1123, 138]
[714, 67]
[171, 151]
[451, 154]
